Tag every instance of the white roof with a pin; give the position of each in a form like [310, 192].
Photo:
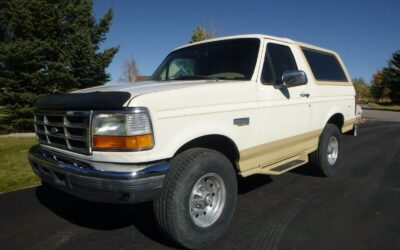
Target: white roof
[259, 36]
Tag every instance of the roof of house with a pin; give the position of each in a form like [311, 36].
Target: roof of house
[142, 78]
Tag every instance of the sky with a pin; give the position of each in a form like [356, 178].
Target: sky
[364, 33]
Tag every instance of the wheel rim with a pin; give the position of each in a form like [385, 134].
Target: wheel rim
[333, 150]
[207, 199]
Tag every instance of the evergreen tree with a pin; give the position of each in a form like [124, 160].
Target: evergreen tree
[200, 33]
[46, 47]
[394, 77]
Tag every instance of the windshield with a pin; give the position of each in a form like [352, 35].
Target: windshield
[228, 59]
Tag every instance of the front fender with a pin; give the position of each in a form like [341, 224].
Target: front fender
[169, 139]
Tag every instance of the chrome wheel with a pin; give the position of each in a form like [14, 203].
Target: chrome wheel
[333, 150]
[207, 199]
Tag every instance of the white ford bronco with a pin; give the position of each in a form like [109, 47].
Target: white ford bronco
[213, 110]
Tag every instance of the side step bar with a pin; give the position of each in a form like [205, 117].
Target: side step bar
[288, 165]
[280, 167]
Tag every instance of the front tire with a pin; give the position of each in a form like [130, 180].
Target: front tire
[327, 158]
[198, 198]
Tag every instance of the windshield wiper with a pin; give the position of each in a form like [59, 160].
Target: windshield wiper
[202, 77]
[196, 77]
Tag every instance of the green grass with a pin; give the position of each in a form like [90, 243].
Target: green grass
[15, 171]
[384, 106]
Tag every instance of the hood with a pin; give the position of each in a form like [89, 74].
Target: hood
[110, 97]
[140, 88]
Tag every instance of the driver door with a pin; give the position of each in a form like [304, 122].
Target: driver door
[285, 113]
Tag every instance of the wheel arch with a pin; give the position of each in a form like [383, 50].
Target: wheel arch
[220, 143]
[336, 119]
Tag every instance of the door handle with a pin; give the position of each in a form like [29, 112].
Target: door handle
[304, 94]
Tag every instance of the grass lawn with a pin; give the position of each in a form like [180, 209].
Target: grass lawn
[384, 106]
[15, 171]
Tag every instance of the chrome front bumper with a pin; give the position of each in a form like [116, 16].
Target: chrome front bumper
[81, 179]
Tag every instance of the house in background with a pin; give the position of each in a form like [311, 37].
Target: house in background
[142, 78]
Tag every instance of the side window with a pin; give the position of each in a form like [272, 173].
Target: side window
[278, 59]
[325, 66]
[180, 67]
[267, 75]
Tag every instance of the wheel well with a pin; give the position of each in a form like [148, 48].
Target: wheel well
[337, 119]
[220, 143]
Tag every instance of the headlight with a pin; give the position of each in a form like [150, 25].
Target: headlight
[122, 130]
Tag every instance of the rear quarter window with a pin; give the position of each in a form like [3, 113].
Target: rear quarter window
[325, 66]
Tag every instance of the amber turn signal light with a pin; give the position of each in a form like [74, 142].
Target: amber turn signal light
[122, 142]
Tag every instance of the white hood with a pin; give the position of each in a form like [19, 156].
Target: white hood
[140, 88]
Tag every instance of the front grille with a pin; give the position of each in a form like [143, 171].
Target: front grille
[68, 130]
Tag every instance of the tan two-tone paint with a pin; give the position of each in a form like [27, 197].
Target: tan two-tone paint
[264, 156]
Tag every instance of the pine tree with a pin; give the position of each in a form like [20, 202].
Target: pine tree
[200, 33]
[48, 47]
[394, 77]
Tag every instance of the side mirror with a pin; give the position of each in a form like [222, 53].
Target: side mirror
[294, 78]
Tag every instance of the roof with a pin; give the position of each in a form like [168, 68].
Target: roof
[259, 36]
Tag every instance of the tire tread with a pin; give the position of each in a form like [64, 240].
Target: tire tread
[161, 209]
[315, 158]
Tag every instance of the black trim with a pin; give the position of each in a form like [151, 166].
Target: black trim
[112, 100]
[287, 165]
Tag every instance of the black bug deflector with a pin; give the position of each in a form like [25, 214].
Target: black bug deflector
[111, 100]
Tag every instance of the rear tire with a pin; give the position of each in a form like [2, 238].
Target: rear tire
[198, 198]
[327, 158]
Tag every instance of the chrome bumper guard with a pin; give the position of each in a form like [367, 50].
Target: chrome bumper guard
[81, 179]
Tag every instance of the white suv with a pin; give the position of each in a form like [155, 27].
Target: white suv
[239, 105]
